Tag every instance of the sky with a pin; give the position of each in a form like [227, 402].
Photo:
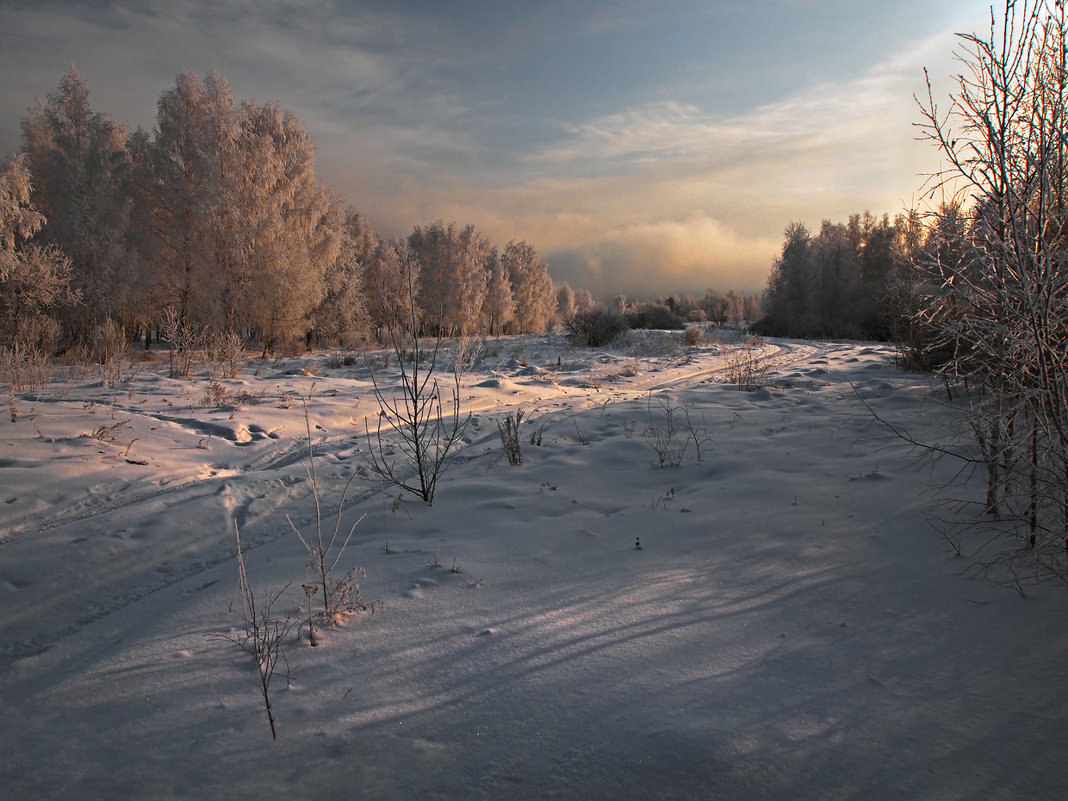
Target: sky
[644, 148]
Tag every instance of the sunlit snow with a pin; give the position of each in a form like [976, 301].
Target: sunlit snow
[791, 627]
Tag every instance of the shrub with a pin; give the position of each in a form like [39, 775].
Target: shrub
[263, 631]
[224, 350]
[655, 316]
[746, 366]
[508, 428]
[596, 327]
[339, 597]
[692, 336]
[425, 430]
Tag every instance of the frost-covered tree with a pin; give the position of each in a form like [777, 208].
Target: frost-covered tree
[81, 171]
[342, 317]
[453, 275]
[181, 189]
[243, 231]
[834, 284]
[294, 224]
[391, 281]
[33, 278]
[717, 306]
[565, 303]
[228, 217]
[837, 310]
[499, 306]
[532, 288]
[584, 300]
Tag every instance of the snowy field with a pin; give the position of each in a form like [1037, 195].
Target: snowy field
[792, 627]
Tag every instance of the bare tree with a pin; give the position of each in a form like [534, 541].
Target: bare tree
[263, 632]
[426, 431]
[994, 273]
[339, 597]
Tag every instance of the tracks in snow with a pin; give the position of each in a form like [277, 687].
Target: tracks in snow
[784, 354]
[161, 563]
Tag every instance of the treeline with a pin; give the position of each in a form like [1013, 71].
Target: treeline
[675, 312]
[842, 282]
[215, 221]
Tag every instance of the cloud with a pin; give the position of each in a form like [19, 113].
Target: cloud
[665, 257]
[667, 196]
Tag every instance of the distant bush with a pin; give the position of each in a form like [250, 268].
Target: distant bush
[596, 327]
[337, 360]
[692, 336]
[655, 316]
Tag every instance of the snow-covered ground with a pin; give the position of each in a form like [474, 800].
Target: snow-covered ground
[792, 626]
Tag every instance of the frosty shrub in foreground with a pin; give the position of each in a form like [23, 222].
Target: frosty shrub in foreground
[262, 632]
[337, 598]
[224, 351]
[24, 367]
[746, 366]
[508, 428]
[670, 430]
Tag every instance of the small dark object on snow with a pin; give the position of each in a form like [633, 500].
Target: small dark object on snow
[638, 544]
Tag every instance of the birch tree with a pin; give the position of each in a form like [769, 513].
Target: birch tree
[532, 288]
[453, 276]
[81, 171]
[996, 288]
[392, 283]
[293, 224]
[499, 306]
[342, 316]
[182, 191]
[34, 278]
[565, 303]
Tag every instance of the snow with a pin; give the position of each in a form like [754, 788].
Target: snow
[791, 627]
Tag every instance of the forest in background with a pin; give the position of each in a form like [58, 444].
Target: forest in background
[214, 225]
